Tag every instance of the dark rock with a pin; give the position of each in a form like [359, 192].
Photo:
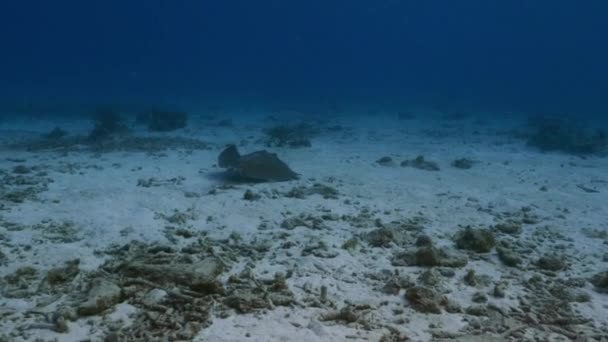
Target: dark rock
[246, 301]
[446, 272]
[477, 240]
[600, 281]
[302, 192]
[112, 337]
[580, 296]
[452, 307]
[319, 249]
[431, 277]
[499, 290]
[420, 163]
[423, 300]
[535, 280]
[382, 237]
[454, 261]
[163, 120]
[199, 276]
[294, 136]
[102, 296]
[21, 169]
[347, 314]
[303, 220]
[64, 274]
[385, 161]
[511, 228]
[424, 240]
[479, 297]
[350, 244]
[551, 263]
[565, 136]
[428, 256]
[463, 163]
[108, 124]
[21, 275]
[397, 283]
[56, 134]
[293, 223]
[470, 278]
[477, 310]
[251, 196]
[508, 257]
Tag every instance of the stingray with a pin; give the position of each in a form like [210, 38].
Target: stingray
[258, 166]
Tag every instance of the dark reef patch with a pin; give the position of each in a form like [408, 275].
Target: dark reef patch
[463, 163]
[107, 124]
[565, 136]
[385, 161]
[158, 120]
[420, 163]
[600, 281]
[55, 134]
[123, 143]
[297, 135]
[478, 240]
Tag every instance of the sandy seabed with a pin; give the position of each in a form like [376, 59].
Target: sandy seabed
[121, 244]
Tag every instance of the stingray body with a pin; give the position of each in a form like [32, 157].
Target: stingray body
[259, 165]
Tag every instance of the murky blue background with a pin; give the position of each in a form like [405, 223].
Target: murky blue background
[537, 56]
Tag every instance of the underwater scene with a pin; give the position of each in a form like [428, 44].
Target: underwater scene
[274, 171]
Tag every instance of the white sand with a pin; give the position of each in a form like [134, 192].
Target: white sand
[99, 194]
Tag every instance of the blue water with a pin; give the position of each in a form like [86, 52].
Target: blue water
[533, 56]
